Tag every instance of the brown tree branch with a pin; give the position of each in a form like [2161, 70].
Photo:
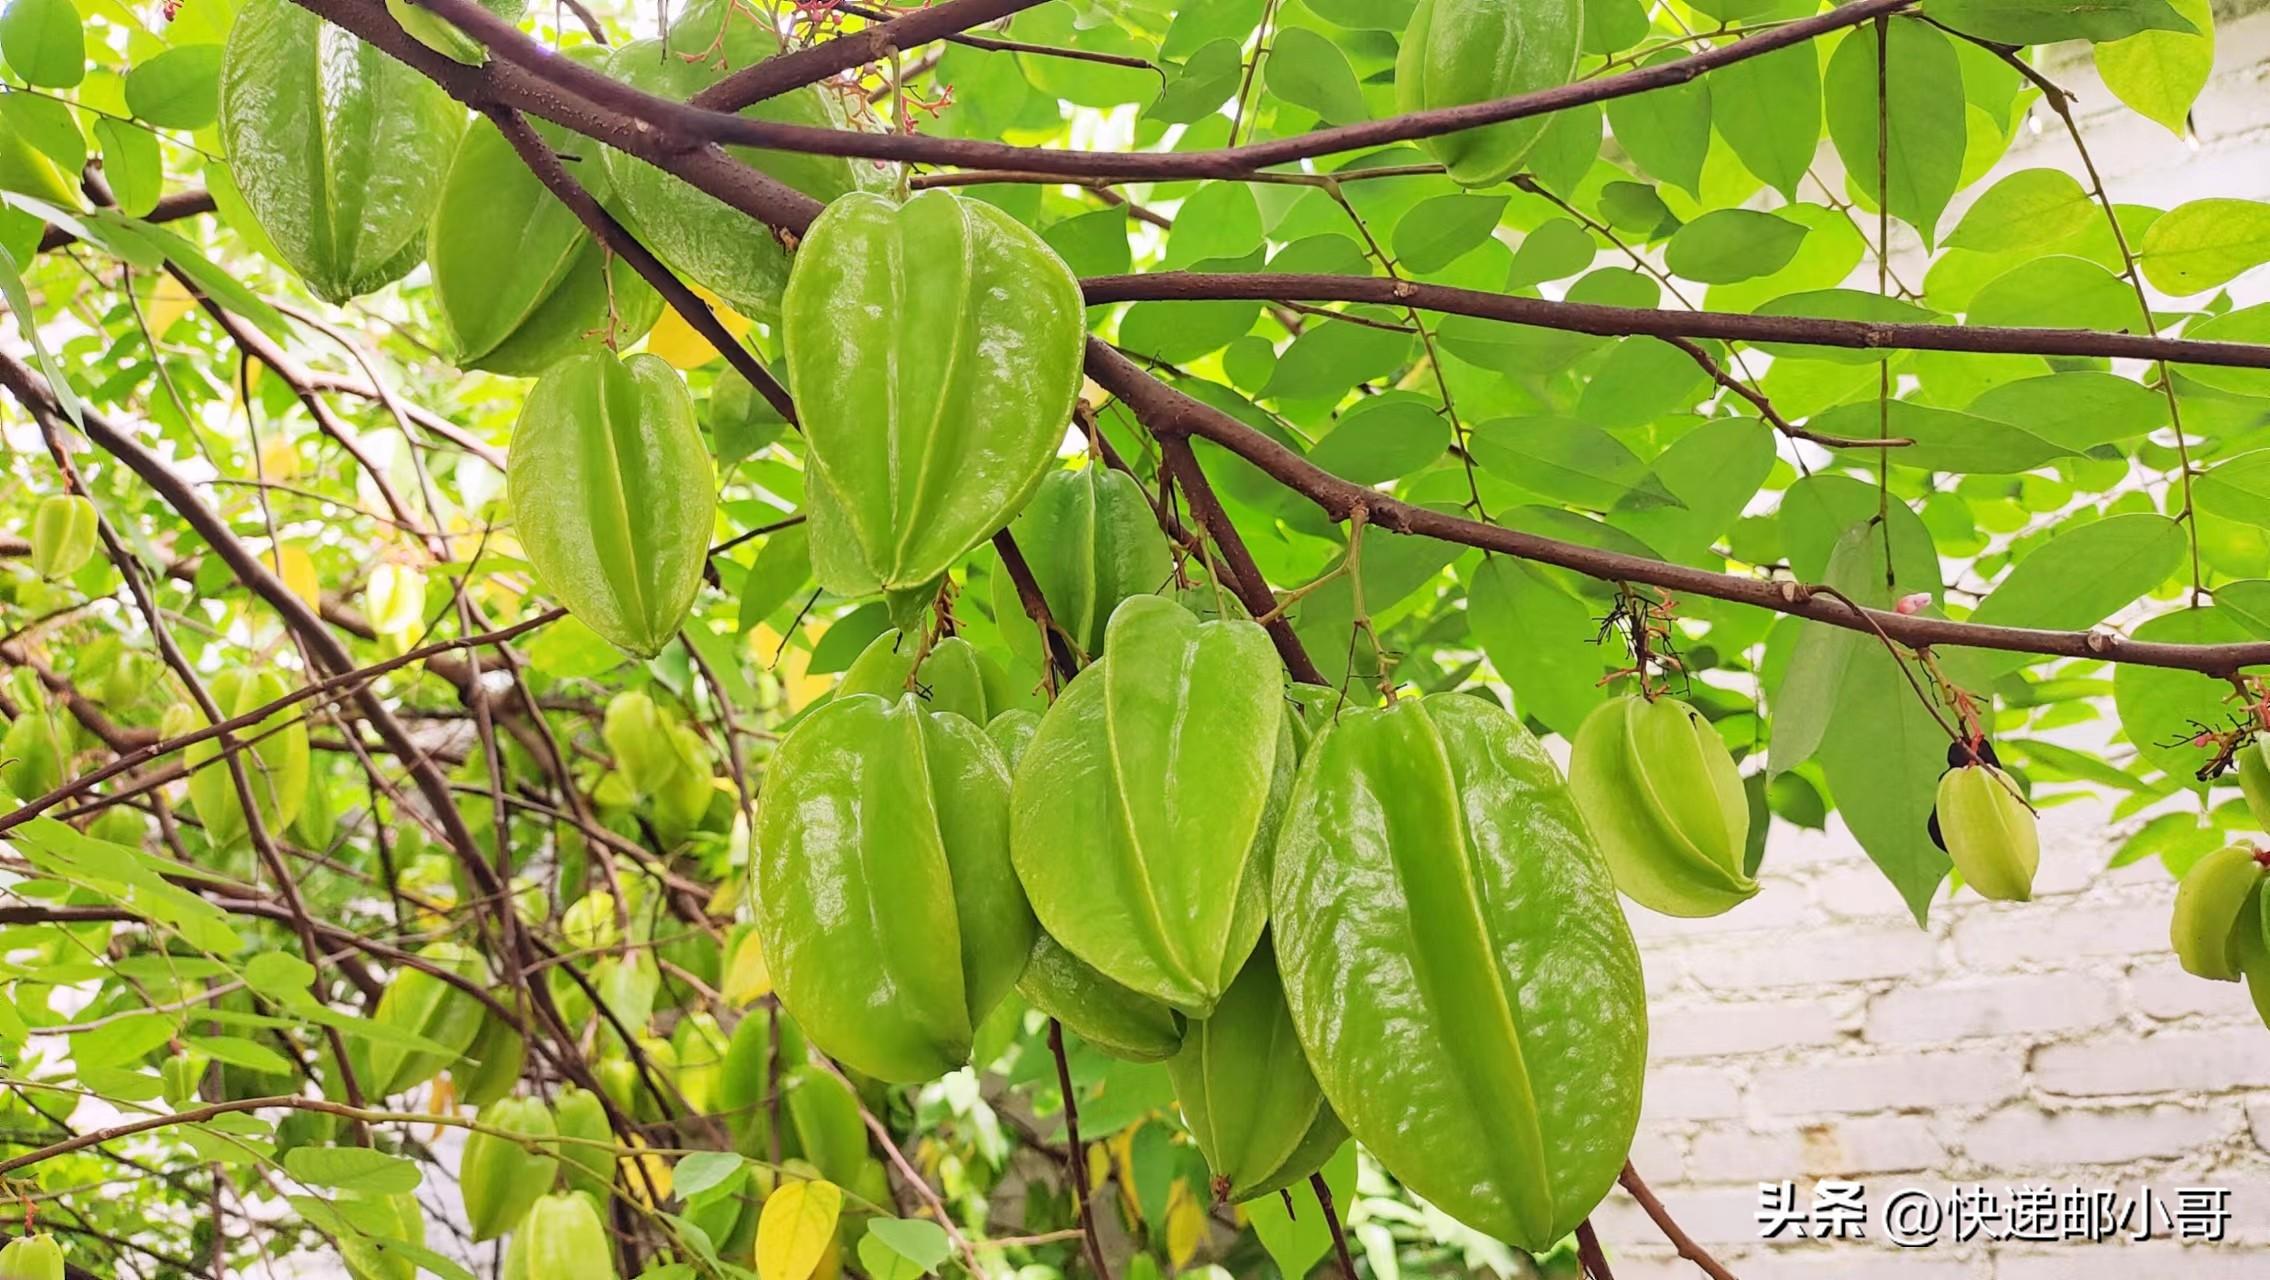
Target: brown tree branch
[815, 63]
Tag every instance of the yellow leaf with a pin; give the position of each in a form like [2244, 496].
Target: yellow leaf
[676, 342]
[747, 979]
[169, 301]
[798, 685]
[298, 572]
[1186, 1225]
[650, 1170]
[279, 460]
[1099, 1166]
[796, 1228]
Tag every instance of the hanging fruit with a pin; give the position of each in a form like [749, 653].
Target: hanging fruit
[492, 1063]
[425, 1005]
[32, 1257]
[1096, 1009]
[563, 1238]
[502, 1177]
[1458, 966]
[1247, 1092]
[1985, 825]
[1456, 52]
[383, 1219]
[334, 146]
[935, 350]
[892, 920]
[1145, 806]
[587, 1164]
[700, 237]
[1091, 540]
[520, 283]
[952, 675]
[1659, 791]
[613, 495]
[2209, 902]
[2254, 779]
[64, 528]
[274, 759]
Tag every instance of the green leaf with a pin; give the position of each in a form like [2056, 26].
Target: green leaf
[698, 1172]
[1198, 25]
[783, 568]
[122, 1041]
[1383, 438]
[27, 323]
[49, 126]
[1768, 108]
[1924, 115]
[1308, 70]
[1441, 230]
[359, 1170]
[1945, 440]
[131, 163]
[1201, 85]
[178, 88]
[2049, 21]
[1362, 15]
[1332, 356]
[240, 1052]
[2077, 579]
[1726, 245]
[917, 1240]
[1567, 461]
[1220, 220]
[2028, 209]
[44, 42]
[1295, 1235]
[2059, 292]
[1092, 244]
[2160, 708]
[2160, 73]
[2248, 602]
[1715, 470]
[1541, 640]
[2238, 488]
[2247, 324]
[2204, 243]
[1665, 131]
[1555, 251]
[2078, 409]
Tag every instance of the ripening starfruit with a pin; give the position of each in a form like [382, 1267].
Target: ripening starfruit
[62, 535]
[1145, 806]
[951, 676]
[892, 920]
[423, 1004]
[934, 348]
[2254, 779]
[1247, 1092]
[1983, 822]
[1659, 790]
[699, 236]
[335, 147]
[32, 1257]
[379, 1220]
[2209, 903]
[500, 1177]
[1091, 540]
[520, 283]
[1458, 966]
[562, 1238]
[1456, 52]
[613, 494]
[274, 759]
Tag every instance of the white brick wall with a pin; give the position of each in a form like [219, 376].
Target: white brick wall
[1815, 1032]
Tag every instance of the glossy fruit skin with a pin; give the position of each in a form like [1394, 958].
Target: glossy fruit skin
[562, 1238]
[2209, 902]
[1096, 1009]
[613, 494]
[500, 1178]
[519, 282]
[1458, 966]
[1091, 540]
[32, 1257]
[275, 762]
[699, 236]
[952, 675]
[62, 535]
[395, 1217]
[419, 1002]
[578, 1113]
[1989, 832]
[892, 920]
[334, 146]
[1660, 792]
[1145, 807]
[2254, 779]
[1247, 1092]
[492, 1063]
[934, 348]
[1456, 52]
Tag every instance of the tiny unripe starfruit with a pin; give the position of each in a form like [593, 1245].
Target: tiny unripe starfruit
[63, 535]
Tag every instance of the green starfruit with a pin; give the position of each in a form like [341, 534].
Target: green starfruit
[2254, 779]
[501, 1177]
[1456, 52]
[32, 753]
[587, 1161]
[935, 350]
[425, 1005]
[1247, 1092]
[1458, 966]
[32, 1257]
[1091, 540]
[562, 1238]
[519, 281]
[699, 236]
[64, 526]
[334, 146]
[1145, 806]
[2210, 900]
[274, 759]
[1661, 794]
[380, 1220]
[892, 920]
[613, 495]
[492, 1063]
[1984, 823]
[950, 677]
